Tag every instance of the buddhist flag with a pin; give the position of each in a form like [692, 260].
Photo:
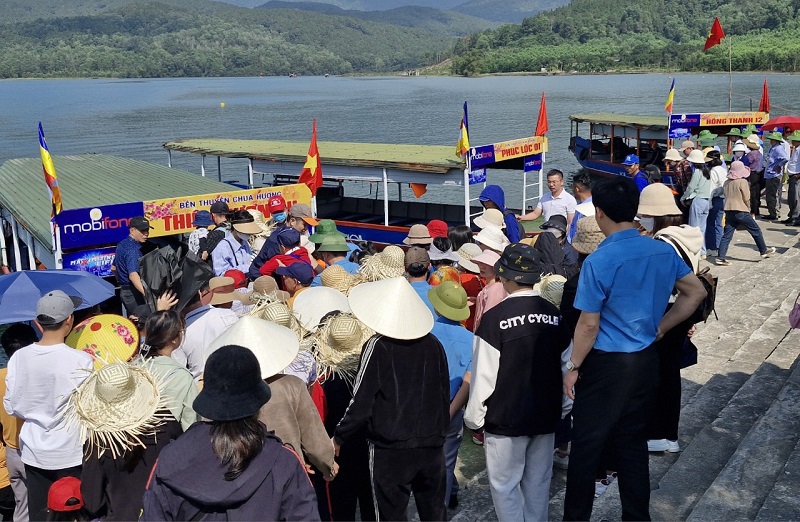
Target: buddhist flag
[50, 176]
[311, 174]
[715, 35]
[670, 98]
[764, 105]
[462, 147]
[541, 123]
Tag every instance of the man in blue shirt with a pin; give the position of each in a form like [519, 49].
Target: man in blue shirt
[631, 163]
[582, 188]
[334, 251]
[126, 263]
[450, 305]
[623, 291]
[417, 262]
[777, 157]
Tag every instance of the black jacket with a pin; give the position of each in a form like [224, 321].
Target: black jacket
[401, 394]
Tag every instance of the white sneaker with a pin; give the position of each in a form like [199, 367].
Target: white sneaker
[673, 446]
[657, 445]
[768, 253]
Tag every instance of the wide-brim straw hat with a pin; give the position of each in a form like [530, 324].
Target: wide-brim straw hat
[311, 305]
[383, 265]
[491, 217]
[551, 288]
[278, 313]
[274, 346]
[263, 223]
[418, 235]
[657, 199]
[673, 155]
[265, 288]
[223, 291]
[392, 308]
[108, 338]
[117, 405]
[250, 227]
[337, 346]
[752, 142]
[466, 254]
[588, 235]
[339, 279]
[492, 237]
[696, 156]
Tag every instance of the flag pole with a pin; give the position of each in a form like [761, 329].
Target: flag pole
[730, 74]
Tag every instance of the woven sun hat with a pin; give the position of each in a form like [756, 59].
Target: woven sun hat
[258, 219]
[673, 155]
[442, 255]
[657, 199]
[687, 144]
[116, 405]
[492, 237]
[223, 290]
[586, 208]
[392, 308]
[741, 147]
[449, 299]
[265, 288]
[418, 235]
[326, 227]
[277, 313]
[551, 288]
[337, 346]
[311, 305]
[795, 136]
[108, 338]
[466, 254]
[752, 142]
[696, 156]
[339, 279]
[383, 265]
[274, 346]
[588, 235]
[491, 217]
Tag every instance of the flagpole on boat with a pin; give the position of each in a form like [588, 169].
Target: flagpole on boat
[730, 74]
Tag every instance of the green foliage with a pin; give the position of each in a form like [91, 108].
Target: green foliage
[211, 39]
[602, 35]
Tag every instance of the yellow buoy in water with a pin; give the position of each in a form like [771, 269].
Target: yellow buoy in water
[222, 104]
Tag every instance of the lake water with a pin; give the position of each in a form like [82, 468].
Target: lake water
[133, 118]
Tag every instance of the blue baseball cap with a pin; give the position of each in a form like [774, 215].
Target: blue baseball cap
[288, 237]
[631, 159]
[301, 271]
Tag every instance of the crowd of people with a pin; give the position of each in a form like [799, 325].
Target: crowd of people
[307, 377]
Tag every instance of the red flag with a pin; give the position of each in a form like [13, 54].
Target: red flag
[715, 36]
[311, 174]
[764, 105]
[541, 123]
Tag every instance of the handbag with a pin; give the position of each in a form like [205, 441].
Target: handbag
[709, 281]
[688, 353]
[794, 315]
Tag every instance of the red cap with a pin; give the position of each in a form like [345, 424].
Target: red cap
[62, 491]
[239, 279]
[277, 204]
[437, 228]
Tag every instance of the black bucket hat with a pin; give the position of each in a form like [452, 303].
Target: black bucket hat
[233, 388]
[556, 221]
[520, 263]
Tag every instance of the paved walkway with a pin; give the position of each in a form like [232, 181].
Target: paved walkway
[740, 417]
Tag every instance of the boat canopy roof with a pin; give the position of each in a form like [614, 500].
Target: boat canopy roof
[624, 120]
[413, 158]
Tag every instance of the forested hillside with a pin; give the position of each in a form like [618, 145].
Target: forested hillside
[209, 39]
[600, 35]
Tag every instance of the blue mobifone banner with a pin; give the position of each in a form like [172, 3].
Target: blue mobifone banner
[97, 261]
[533, 163]
[481, 156]
[97, 226]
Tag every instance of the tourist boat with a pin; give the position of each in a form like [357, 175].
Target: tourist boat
[601, 141]
[383, 215]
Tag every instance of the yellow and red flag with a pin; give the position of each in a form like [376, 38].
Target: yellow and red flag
[670, 98]
[715, 35]
[462, 147]
[541, 123]
[50, 176]
[311, 174]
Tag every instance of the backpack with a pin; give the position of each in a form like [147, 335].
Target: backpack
[707, 305]
[520, 227]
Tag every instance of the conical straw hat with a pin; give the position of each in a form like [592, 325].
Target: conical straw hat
[311, 305]
[391, 308]
[274, 346]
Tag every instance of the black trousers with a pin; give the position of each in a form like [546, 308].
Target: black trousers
[755, 180]
[398, 472]
[130, 297]
[39, 482]
[666, 412]
[612, 400]
[352, 489]
[7, 503]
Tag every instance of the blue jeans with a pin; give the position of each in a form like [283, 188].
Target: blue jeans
[732, 220]
[698, 217]
[452, 442]
[714, 223]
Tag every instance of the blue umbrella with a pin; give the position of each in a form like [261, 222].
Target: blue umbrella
[20, 291]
